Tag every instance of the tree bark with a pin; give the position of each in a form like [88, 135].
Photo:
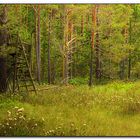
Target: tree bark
[38, 43]
[92, 45]
[3, 75]
[97, 59]
[49, 63]
[129, 58]
[122, 69]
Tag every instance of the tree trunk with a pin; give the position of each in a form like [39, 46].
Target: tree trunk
[38, 43]
[129, 59]
[97, 59]
[129, 67]
[122, 69]
[91, 68]
[65, 49]
[49, 64]
[92, 45]
[3, 75]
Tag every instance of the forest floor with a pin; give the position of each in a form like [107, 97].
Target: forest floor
[104, 110]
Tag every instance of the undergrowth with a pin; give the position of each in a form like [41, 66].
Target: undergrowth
[103, 110]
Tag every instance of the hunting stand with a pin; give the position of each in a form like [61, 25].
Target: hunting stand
[20, 77]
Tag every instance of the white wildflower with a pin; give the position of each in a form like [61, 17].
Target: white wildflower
[21, 109]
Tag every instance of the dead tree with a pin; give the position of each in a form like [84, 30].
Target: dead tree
[68, 48]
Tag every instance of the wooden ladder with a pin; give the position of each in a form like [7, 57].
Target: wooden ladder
[23, 76]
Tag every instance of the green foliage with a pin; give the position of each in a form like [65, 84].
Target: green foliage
[115, 45]
[78, 81]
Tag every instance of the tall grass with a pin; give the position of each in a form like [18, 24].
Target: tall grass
[106, 110]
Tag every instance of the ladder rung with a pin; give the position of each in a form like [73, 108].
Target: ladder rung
[31, 90]
[27, 80]
[70, 62]
[21, 63]
[29, 85]
[21, 66]
[22, 86]
[26, 85]
[20, 58]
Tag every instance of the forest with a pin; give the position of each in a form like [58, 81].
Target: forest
[69, 69]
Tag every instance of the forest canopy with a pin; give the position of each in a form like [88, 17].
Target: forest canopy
[75, 43]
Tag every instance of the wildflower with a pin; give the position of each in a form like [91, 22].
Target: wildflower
[21, 109]
[10, 119]
[16, 107]
[36, 124]
[7, 123]
[43, 119]
[9, 113]
[21, 117]
[10, 127]
[72, 124]
[59, 127]
[84, 124]
[52, 131]
[15, 119]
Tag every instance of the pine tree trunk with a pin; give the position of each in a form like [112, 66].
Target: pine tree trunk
[92, 46]
[49, 63]
[38, 43]
[129, 58]
[97, 59]
[65, 50]
[122, 70]
[129, 67]
[91, 68]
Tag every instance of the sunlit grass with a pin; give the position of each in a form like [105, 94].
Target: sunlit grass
[103, 110]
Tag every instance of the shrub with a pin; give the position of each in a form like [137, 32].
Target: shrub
[78, 81]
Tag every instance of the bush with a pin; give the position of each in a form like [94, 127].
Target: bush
[78, 81]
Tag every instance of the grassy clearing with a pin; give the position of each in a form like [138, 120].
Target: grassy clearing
[107, 110]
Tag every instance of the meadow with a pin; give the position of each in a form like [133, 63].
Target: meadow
[102, 110]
